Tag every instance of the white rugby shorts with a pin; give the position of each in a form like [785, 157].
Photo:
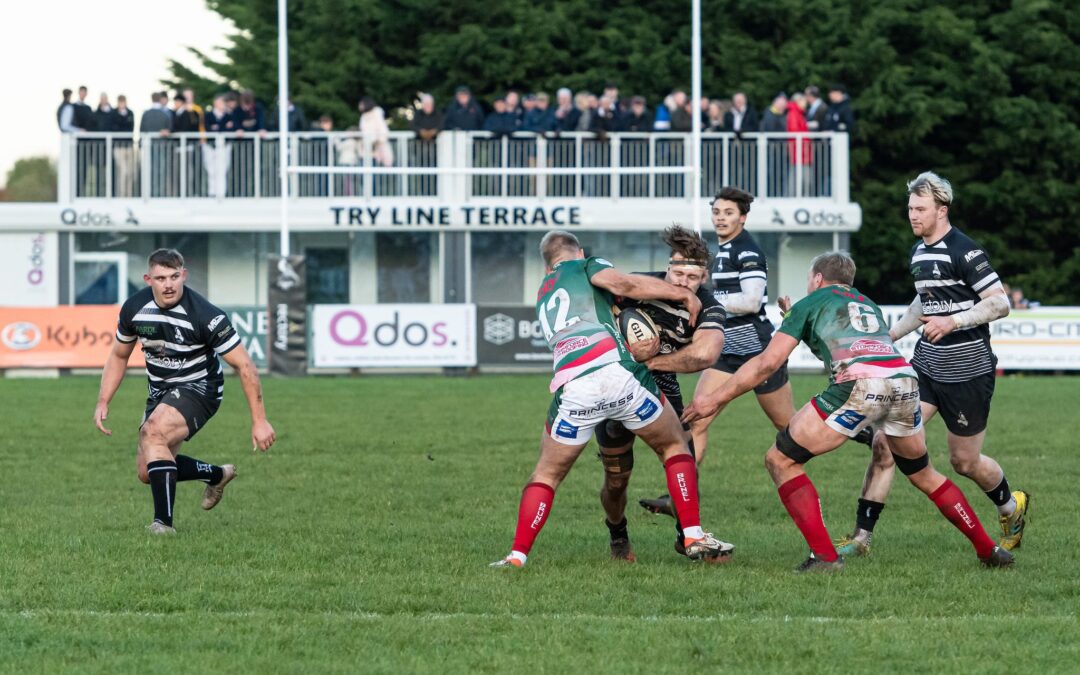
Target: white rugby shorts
[610, 393]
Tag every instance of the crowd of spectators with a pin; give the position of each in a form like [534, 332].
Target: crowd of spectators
[509, 113]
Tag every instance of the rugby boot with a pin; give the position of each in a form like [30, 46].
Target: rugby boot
[507, 562]
[853, 545]
[1012, 527]
[708, 549]
[661, 505]
[622, 550]
[158, 527]
[999, 557]
[213, 493]
[815, 564]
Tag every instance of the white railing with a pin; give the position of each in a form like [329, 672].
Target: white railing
[455, 166]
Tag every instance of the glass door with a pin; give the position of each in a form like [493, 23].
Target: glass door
[99, 278]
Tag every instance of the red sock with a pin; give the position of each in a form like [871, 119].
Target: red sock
[681, 473]
[533, 512]
[800, 498]
[954, 506]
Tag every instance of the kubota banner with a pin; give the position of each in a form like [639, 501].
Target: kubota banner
[74, 336]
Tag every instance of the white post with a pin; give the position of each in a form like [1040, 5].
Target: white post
[695, 107]
[283, 121]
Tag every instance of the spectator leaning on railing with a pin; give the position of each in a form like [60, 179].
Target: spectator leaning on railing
[566, 112]
[427, 121]
[463, 113]
[65, 115]
[775, 117]
[541, 119]
[839, 116]
[816, 109]
[500, 121]
[83, 113]
[742, 118]
[250, 116]
[638, 118]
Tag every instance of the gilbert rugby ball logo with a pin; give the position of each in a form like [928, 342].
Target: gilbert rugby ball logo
[20, 336]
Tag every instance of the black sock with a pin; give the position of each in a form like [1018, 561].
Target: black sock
[189, 468]
[617, 530]
[867, 514]
[1001, 494]
[163, 488]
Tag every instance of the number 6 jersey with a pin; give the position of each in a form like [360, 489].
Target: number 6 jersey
[846, 330]
[577, 320]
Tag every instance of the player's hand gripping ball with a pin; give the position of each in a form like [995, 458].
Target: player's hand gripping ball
[642, 337]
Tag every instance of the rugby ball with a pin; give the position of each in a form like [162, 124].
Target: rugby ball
[636, 327]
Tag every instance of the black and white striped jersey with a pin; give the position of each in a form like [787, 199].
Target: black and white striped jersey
[180, 344]
[673, 323]
[736, 261]
[949, 275]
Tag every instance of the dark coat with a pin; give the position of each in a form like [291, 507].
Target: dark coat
[155, 119]
[750, 120]
[466, 117]
[501, 123]
[628, 121]
[839, 117]
[540, 121]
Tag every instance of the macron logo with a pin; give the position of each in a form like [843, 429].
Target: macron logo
[971, 255]
[214, 322]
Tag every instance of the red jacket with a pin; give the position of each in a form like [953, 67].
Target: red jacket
[796, 123]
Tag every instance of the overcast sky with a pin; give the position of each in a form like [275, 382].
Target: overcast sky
[111, 46]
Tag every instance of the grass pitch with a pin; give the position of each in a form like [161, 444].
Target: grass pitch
[361, 543]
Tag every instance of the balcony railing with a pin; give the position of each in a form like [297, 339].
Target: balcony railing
[454, 166]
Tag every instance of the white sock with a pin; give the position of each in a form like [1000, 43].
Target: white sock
[694, 532]
[518, 555]
[1008, 508]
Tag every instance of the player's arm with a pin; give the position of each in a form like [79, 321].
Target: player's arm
[749, 375]
[642, 287]
[911, 320]
[701, 353]
[993, 305]
[262, 434]
[111, 377]
[748, 299]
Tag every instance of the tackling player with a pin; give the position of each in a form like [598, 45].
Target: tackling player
[958, 294]
[680, 348]
[870, 383]
[182, 335]
[740, 278]
[596, 379]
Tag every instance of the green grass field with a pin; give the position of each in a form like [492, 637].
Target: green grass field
[360, 543]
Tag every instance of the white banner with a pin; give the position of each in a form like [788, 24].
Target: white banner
[29, 266]
[374, 336]
[1047, 338]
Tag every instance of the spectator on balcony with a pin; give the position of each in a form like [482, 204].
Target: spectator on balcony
[294, 118]
[157, 119]
[585, 104]
[638, 118]
[717, 113]
[513, 106]
[464, 112]
[65, 115]
[250, 116]
[427, 121]
[662, 119]
[189, 98]
[123, 118]
[815, 109]
[567, 113]
[799, 152]
[775, 117]
[839, 117]
[500, 121]
[216, 155]
[185, 120]
[541, 119]
[102, 119]
[613, 104]
[375, 132]
[742, 118]
[682, 114]
[84, 115]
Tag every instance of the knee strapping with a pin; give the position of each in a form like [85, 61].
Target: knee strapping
[792, 450]
[911, 466]
[620, 464]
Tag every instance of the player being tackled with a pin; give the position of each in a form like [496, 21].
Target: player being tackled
[870, 383]
[596, 379]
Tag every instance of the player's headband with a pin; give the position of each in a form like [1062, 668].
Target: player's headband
[688, 262]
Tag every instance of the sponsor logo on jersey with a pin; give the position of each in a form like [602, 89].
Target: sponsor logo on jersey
[894, 398]
[938, 307]
[564, 347]
[646, 409]
[164, 361]
[601, 261]
[746, 254]
[937, 271]
[145, 330]
[179, 336]
[566, 430]
[971, 255]
[849, 419]
[20, 336]
[871, 347]
[214, 322]
[602, 406]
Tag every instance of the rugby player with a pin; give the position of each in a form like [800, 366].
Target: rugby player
[679, 348]
[740, 278]
[958, 294]
[182, 335]
[597, 379]
[870, 383]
